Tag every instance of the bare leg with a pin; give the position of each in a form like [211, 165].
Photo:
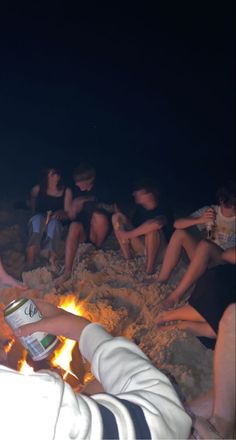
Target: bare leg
[181, 239]
[206, 254]
[120, 221]
[75, 236]
[5, 278]
[31, 253]
[99, 228]
[184, 313]
[152, 244]
[223, 416]
[196, 328]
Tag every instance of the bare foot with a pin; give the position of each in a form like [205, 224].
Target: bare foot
[205, 430]
[12, 282]
[162, 317]
[168, 303]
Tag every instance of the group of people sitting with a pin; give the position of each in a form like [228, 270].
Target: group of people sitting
[148, 229]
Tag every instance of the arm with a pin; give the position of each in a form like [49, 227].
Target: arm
[205, 215]
[146, 227]
[121, 367]
[33, 196]
[78, 205]
[63, 214]
[67, 200]
[229, 255]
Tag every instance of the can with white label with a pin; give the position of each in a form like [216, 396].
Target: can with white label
[24, 311]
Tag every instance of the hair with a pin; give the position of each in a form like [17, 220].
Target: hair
[148, 185]
[227, 194]
[43, 179]
[83, 172]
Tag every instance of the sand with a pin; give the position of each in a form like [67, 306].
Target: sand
[116, 293]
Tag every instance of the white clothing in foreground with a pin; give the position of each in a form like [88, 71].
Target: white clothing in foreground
[43, 407]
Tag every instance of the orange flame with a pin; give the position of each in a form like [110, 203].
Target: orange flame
[63, 355]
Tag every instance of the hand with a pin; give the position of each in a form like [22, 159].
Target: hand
[58, 215]
[55, 321]
[208, 216]
[121, 234]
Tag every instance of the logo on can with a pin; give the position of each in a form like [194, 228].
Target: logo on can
[24, 311]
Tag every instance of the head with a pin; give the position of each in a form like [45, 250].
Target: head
[84, 176]
[50, 176]
[227, 198]
[146, 194]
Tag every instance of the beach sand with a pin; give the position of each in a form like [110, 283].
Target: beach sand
[116, 293]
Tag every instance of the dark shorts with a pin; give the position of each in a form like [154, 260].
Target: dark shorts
[85, 217]
[213, 293]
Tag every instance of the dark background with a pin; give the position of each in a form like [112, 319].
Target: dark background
[135, 89]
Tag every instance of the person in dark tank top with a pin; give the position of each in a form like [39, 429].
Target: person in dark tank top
[50, 203]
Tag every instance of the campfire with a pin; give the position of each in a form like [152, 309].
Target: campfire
[66, 360]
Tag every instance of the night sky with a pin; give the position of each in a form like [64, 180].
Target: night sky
[137, 90]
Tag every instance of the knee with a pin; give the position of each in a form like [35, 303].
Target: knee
[227, 321]
[99, 220]
[118, 219]
[204, 246]
[180, 235]
[37, 219]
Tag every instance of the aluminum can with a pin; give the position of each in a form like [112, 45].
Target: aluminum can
[24, 311]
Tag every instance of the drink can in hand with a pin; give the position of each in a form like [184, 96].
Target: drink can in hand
[24, 311]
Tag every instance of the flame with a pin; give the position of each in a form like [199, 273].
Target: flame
[63, 355]
[22, 365]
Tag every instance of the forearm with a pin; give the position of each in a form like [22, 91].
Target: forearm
[186, 222]
[145, 228]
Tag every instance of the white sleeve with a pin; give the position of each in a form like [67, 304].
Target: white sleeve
[125, 371]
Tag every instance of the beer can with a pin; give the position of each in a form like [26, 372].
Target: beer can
[24, 311]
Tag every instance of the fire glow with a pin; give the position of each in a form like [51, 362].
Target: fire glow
[62, 356]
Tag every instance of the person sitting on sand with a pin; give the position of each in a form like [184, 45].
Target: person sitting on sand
[213, 413]
[150, 220]
[8, 280]
[202, 254]
[139, 401]
[50, 203]
[90, 214]
[213, 292]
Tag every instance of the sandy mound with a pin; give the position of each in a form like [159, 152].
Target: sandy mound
[118, 294]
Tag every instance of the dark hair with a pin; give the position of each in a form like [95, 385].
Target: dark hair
[227, 194]
[84, 171]
[148, 185]
[43, 179]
